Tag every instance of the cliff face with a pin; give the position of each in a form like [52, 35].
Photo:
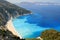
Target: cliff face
[8, 11]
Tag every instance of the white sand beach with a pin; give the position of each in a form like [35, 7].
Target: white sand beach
[11, 28]
[39, 38]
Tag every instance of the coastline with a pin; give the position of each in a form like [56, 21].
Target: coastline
[11, 28]
[39, 38]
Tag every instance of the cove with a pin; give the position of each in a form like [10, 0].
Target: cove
[42, 18]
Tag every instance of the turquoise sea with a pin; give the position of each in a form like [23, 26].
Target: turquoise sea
[42, 18]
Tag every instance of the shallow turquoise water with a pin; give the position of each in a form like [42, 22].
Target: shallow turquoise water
[42, 18]
[27, 30]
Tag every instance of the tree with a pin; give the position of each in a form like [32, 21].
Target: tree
[50, 35]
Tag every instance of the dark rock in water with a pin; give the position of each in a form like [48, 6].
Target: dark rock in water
[8, 11]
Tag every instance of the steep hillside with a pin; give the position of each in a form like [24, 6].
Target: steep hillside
[8, 11]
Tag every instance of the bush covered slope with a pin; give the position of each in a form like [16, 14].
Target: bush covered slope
[50, 35]
[8, 11]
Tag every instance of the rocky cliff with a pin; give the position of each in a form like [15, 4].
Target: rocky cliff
[7, 12]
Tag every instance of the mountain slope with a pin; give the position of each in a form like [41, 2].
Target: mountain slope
[37, 3]
[7, 12]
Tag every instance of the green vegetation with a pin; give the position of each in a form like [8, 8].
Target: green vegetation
[8, 11]
[7, 35]
[50, 35]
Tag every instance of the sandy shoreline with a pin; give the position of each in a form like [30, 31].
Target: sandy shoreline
[11, 28]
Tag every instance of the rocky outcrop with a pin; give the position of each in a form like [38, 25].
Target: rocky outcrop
[7, 35]
[9, 11]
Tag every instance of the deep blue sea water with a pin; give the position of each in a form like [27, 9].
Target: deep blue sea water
[42, 18]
